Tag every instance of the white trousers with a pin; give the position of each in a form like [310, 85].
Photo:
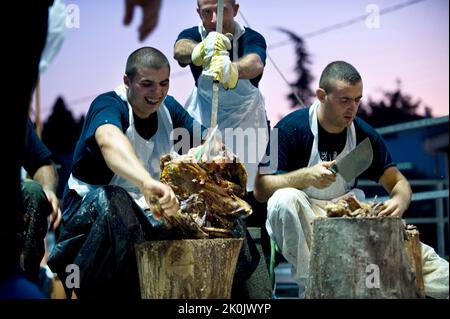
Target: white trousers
[290, 213]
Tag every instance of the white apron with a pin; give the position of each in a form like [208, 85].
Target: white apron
[339, 187]
[148, 152]
[240, 108]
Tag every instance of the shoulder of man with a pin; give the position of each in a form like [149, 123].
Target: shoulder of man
[174, 107]
[35, 149]
[107, 107]
[293, 130]
[190, 34]
[171, 102]
[298, 119]
[109, 99]
[365, 128]
[250, 31]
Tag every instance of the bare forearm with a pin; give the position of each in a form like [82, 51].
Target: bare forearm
[250, 66]
[183, 51]
[402, 191]
[399, 190]
[47, 177]
[120, 156]
[266, 185]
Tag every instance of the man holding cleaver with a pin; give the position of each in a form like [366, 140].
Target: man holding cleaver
[322, 150]
[312, 143]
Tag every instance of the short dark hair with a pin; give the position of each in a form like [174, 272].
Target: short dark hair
[232, 2]
[338, 70]
[146, 57]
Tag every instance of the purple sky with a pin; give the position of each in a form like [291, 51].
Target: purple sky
[411, 44]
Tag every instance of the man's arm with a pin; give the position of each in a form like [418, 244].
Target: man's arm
[399, 190]
[318, 176]
[183, 51]
[150, 15]
[121, 158]
[47, 177]
[250, 66]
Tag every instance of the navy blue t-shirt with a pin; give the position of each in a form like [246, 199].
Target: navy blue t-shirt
[295, 141]
[88, 163]
[250, 42]
[36, 154]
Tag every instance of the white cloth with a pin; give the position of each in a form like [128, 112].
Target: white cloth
[241, 115]
[149, 152]
[435, 273]
[57, 16]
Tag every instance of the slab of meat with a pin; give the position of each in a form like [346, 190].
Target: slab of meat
[210, 195]
[351, 207]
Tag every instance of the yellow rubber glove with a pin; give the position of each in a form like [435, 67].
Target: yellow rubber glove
[223, 70]
[211, 45]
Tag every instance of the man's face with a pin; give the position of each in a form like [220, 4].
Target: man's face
[147, 90]
[341, 104]
[207, 10]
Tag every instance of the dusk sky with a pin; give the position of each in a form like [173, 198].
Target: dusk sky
[411, 44]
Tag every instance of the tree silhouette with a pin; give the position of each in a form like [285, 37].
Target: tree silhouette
[60, 134]
[394, 107]
[301, 87]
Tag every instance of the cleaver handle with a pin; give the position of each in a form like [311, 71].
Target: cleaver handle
[334, 169]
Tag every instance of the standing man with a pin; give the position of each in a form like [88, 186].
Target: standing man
[238, 64]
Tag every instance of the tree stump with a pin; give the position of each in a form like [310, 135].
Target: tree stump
[187, 269]
[360, 258]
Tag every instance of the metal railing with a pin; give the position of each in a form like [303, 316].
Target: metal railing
[439, 187]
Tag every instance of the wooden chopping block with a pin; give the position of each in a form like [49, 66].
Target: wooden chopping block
[187, 269]
[360, 258]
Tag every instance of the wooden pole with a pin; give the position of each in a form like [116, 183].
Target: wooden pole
[38, 109]
[215, 96]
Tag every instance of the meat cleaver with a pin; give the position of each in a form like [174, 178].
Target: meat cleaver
[355, 162]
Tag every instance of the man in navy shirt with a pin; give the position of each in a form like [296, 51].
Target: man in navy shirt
[297, 181]
[309, 141]
[115, 171]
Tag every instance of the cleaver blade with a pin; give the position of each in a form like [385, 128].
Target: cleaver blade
[356, 162]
